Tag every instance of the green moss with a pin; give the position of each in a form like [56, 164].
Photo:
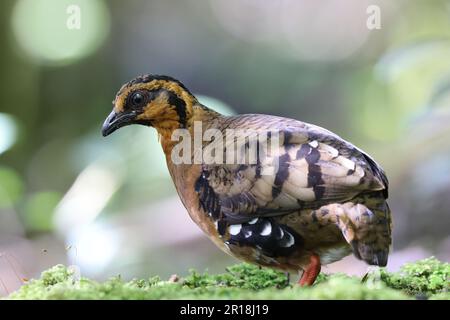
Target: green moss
[244, 276]
[424, 277]
[244, 281]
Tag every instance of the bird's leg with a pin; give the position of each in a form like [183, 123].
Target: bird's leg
[311, 272]
[288, 278]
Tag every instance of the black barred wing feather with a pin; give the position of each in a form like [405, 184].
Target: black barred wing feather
[311, 167]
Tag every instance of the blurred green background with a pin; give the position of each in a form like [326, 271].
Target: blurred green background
[67, 195]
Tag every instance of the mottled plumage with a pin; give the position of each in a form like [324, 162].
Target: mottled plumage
[312, 200]
[326, 194]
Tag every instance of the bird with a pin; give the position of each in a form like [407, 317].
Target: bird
[311, 199]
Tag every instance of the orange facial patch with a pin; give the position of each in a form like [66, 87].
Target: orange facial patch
[159, 110]
[119, 103]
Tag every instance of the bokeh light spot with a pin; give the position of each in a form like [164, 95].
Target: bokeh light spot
[39, 210]
[11, 187]
[8, 132]
[52, 32]
[92, 247]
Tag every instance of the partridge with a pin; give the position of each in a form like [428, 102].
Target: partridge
[307, 199]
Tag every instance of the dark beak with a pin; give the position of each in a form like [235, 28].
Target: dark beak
[116, 121]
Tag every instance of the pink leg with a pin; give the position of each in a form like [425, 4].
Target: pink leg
[311, 272]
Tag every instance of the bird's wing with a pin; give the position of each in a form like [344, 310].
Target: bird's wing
[309, 168]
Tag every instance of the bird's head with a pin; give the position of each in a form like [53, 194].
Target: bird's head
[158, 101]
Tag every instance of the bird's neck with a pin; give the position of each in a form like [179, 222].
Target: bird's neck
[185, 174]
[201, 116]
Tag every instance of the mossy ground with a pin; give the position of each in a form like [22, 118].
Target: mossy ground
[427, 278]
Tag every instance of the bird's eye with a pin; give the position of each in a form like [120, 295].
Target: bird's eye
[137, 99]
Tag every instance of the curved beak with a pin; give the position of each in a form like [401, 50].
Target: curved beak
[117, 120]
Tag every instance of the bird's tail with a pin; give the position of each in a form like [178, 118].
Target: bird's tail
[366, 225]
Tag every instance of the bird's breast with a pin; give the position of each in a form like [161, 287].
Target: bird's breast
[185, 178]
